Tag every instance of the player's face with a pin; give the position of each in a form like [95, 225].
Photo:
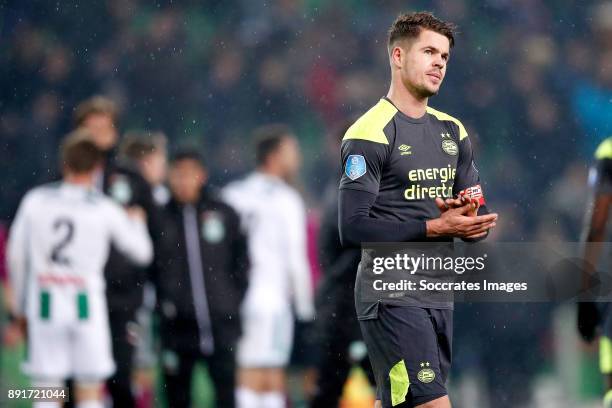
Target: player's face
[154, 167]
[186, 178]
[423, 65]
[102, 129]
[288, 154]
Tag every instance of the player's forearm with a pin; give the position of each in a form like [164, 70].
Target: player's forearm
[9, 298]
[356, 226]
[141, 246]
[591, 252]
[593, 233]
[302, 291]
[14, 293]
[16, 280]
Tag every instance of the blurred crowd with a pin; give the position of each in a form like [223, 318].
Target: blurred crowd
[531, 81]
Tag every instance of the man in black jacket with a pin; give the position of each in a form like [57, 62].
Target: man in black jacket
[201, 264]
[125, 281]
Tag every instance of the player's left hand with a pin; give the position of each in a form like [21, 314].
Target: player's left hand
[14, 333]
[445, 205]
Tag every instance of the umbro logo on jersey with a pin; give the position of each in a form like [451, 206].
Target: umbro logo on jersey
[405, 150]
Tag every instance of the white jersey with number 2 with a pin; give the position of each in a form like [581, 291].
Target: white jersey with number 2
[58, 246]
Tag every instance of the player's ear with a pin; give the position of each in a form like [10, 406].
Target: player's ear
[396, 56]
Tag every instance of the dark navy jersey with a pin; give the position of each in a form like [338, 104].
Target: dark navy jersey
[408, 162]
[400, 165]
[602, 173]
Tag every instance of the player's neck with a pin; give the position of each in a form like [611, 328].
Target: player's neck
[270, 170]
[80, 180]
[407, 103]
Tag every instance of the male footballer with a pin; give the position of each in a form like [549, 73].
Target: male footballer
[591, 314]
[409, 175]
[58, 246]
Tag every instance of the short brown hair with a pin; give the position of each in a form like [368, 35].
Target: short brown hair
[95, 105]
[410, 25]
[79, 153]
[268, 139]
[137, 145]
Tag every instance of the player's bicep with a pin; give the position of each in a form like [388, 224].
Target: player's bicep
[362, 165]
[598, 217]
[602, 209]
[17, 254]
[601, 177]
[17, 239]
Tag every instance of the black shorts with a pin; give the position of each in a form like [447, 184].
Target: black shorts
[410, 351]
[605, 341]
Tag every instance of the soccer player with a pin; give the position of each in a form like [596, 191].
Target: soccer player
[273, 215]
[125, 281]
[149, 153]
[406, 168]
[58, 246]
[598, 210]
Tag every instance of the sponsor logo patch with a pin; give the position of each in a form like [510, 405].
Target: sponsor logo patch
[405, 150]
[120, 189]
[213, 230]
[473, 192]
[355, 166]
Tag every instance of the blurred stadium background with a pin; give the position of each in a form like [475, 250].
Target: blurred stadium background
[531, 80]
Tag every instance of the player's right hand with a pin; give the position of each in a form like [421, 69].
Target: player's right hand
[460, 222]
[588, 319]
[137, 213]
[445, 205]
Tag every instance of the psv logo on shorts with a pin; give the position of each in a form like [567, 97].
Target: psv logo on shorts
[426, 375]
[355, 166]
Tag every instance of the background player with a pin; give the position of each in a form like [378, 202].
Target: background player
[398, 157]
[58, 246]
[149, 153]
[123, 182]
[597, 214]
[274, 217]
[146, 151]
